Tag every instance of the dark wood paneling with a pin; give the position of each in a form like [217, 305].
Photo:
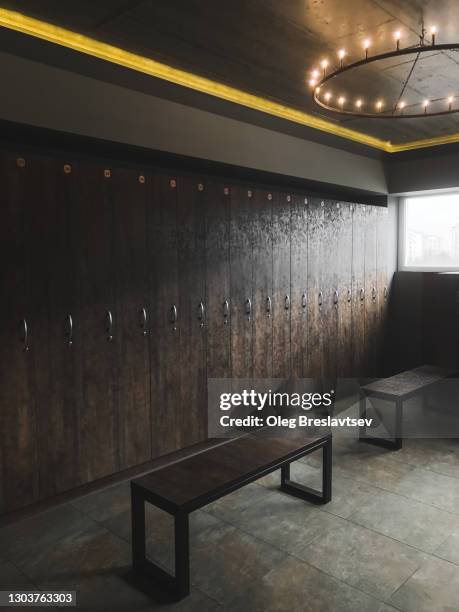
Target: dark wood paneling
[344, 287]
[382, 287]
[371, 302]
[60, 396]
[164, 339]
[315, 289]
[358, 291]
[299, 285]
[94, 224]
[191, 216]
[129, 194]
[281, 285]
[262, 228]
[218, 281]
[19, 473]
[241, 283]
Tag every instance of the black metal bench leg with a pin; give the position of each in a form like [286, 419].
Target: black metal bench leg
[307, 493]
[397, 442]
[179, 585]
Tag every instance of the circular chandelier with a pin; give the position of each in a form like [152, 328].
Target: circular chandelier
[378, 110]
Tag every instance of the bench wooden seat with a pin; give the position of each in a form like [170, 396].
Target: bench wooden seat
[198, 480]
[398, 388]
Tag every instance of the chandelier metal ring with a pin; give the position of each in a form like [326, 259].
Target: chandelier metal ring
[393, 112]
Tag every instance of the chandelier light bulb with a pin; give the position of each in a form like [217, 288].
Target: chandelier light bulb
[379, 105]
[402, 105]
[324, 64]
[425, 105]
[328, 97]
[314, 74]
[359, 104]
[433, 31]
[366, 45]
[341, 54]
[397, 39]
[450, 102]
[341, 101]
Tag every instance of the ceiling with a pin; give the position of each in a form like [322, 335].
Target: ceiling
[268, 48]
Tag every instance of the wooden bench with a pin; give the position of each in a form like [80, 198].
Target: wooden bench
[398, 388]
[198, 480]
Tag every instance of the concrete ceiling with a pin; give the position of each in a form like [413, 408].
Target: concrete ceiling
[268, 48]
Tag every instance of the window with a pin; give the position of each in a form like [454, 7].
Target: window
[429, 232]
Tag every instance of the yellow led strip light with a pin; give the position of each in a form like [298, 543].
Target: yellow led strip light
[89, 46]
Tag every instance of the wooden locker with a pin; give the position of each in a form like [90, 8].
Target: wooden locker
[191, 216]
[281, 285]
[262, 226]
[382, 286]
[61, 398]
[316, 249]
[330, 289]
[165, 315]
[241, 283]
[18, 456]
[344, 273]
[299, 285]
[218, 281]
[129, 195]
[96, 322]
[358, 292]
[371, 305]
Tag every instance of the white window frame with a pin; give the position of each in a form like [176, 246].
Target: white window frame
[401, 241]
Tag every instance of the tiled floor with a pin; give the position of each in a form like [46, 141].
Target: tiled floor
[388, 541]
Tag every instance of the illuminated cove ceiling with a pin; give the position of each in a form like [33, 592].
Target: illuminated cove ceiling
[268, 49]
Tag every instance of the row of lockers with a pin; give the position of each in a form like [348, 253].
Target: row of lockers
[131, 287]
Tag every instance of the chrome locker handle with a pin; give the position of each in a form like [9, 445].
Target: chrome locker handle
[362, 294]
[201, 314]
[143, 321]
[69, 330]
[248, 308]
[304, 300]
[320, 299]
[349, 296]
[335, 298]
[225, 311]
[373, 294]
[173, 317]
[25, 335]
[287, 302]
[268, 306]
[109, 325]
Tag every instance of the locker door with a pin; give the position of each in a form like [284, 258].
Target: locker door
[18, 457]
[281, 285]
[218, 281]
[330, 288]
[358, 291]
[192, 292]
[299, 284]
[165, 315]
[60, 399]
[344, 269]
[96, 322]
[382, 285]
[316, 298]
[371, 305]
[262, 225]
[129, 194]
[241, 283]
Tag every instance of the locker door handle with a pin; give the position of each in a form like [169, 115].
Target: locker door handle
[248, 308]
[109, 325]
[349, 296]
[173, 317]
[25, 335]
[143, 321]
[385, 293]
[362, 294]
[287, 302]
[335, 298]
[201, 314]
[373, 294]
[225, 311]
[69, 330]
[268, 306]
[304, 300]
[321, 299]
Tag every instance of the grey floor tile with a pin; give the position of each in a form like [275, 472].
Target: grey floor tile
[406, 520]
[433, 588]
[12, 578]
[449, 549]
[225, 561]
[107, 503]
[284, 521]
[431, 488]
[369, 561]
[295, 586]
[39, 534]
